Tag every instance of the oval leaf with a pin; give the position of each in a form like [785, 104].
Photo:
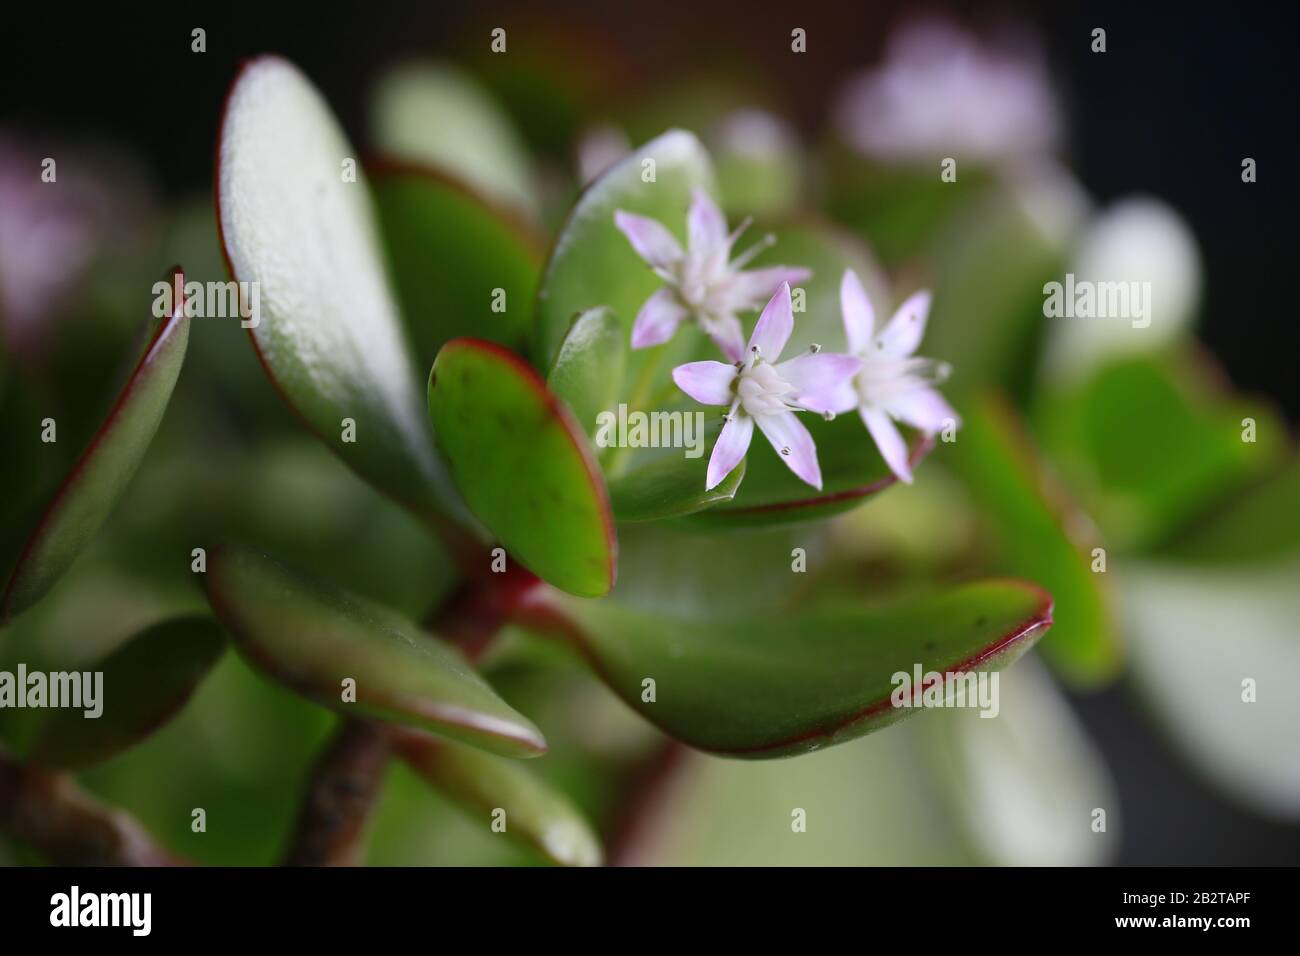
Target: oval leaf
[776, 685]
[592, 263]
[460, 266]
[1260, 523]
[665, 483]
[993, 261]
[1018, 783]
[313, 637]
[588, 372]
[1036, 531]
[1213, 651]
[852, 470]
[299, 228]
[437, 115]
[100, 476]
[146, 682]
[523, 465]
[1152, 441]
[536, 815]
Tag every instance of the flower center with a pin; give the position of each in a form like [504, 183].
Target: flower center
[760, 389]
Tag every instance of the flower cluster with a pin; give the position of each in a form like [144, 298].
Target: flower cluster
[881, 378]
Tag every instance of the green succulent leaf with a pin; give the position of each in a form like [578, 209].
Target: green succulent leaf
[99, 477]
[852, 470]
[898, 208]
[719, 812]
[523, 465]
[1018, 783]
[295, 223]
[768, 685]
[1036, 531]
[592, 263]
[664, 483]
[436, 115]
[992, 263]
[537, 815]
[1213, 650]
[146, 682]
[700, 573]
[312, 637]
[588, 372]
[1152, 443]
[460, 266]
[1260, 523]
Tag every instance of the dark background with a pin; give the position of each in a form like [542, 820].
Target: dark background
[1182, 94]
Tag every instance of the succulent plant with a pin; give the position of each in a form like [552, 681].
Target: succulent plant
[513, 558]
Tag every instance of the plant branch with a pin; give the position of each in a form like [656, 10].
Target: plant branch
[346, 780]
[480, 606]
[642, 793]
[340, 797]
[50, 813]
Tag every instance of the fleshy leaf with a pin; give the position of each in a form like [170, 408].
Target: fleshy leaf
[718, 812]
[87, 495]
[523, 465]
[536, 814]
[1018, 781]
[992, 264]
[313, 637]
[328, 331]
[774, 685]
[852, 470]
[1202, 640]
[664, 483]
[436, 115]
[1151, 442]
[146, 682]
[898, 208]
[1036, 531]
[1259, 523]
[588, 372]
[698, 572]
[460, 266]
[592, 263]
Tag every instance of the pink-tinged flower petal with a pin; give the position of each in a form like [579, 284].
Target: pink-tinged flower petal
[733, 442]
[657, 320]
[843, 397]
[925, 410]
[902, 336]
[859, 316]
[652, 242]
[794, 444]
[749, 290]
[887, 438]
[728, 335]
[819, 379]
[774, 326]
[706, 227]
[709, 383]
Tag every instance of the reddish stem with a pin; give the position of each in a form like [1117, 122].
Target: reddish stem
[51, 814]
[342, 793]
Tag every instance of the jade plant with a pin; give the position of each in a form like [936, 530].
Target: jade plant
[534, 534]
